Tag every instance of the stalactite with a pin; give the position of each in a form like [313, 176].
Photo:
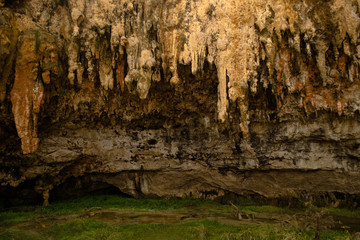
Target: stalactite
[37, 53]
[252, 44]
[145, 94]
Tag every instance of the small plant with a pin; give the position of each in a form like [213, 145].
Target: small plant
[317, 220]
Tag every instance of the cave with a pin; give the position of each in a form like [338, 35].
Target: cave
[179, 98]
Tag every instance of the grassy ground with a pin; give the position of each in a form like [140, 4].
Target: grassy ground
[116, 217]
[92, 229]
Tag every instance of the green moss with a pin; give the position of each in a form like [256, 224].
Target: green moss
[37, 41]
[120, 202]
[10, 217]
[18, 234]
[101, 43]
[49, 65]
[267, 209]
[212, 230]
[82, 228]
[345, 212]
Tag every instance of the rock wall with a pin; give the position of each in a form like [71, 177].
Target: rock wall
[181, 97]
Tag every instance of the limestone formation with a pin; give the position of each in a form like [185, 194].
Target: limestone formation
[8, 36]
[224, 87]
[36, 59]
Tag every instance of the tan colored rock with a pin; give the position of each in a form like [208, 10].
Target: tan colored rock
[106, 73]
[265, 94]
[234, 35]
[36, 53]
[8, 36]
[72, 51]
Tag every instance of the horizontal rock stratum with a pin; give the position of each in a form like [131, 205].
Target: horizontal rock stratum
[180, 97]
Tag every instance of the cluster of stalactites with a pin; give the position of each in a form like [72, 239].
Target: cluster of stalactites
[268, 42]
[308, 50]
[250, 42]
[112, 47]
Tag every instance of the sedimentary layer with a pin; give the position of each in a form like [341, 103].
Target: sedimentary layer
[168, 98]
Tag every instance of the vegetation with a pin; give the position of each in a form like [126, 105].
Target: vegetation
[345, 212]
[195, 219]
[37, 41]
[21, 214]
[93, 229]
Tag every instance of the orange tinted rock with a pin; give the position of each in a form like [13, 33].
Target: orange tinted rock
[46, 77]
[8, 36]
[22, 94]
[28, 92]
[121, 74]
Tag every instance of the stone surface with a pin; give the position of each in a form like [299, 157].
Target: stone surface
[36, 54]
[175, 98]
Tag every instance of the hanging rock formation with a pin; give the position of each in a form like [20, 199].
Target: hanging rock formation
[181, 97]
[36, 60]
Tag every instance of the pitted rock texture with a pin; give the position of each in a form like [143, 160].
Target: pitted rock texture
[36, 61]
[202, 93]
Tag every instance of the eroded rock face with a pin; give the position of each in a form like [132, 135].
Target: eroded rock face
[143, 91]
[36, 60]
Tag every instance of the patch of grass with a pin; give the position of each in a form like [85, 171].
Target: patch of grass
[267, 209]
[120, 202]
[91, 229]
[11, 217]
[76, 206]
[267, 232]
[191, 230]
[81, 229]
[18, 234]
[345, 212]
[330, 234]
[207, 229]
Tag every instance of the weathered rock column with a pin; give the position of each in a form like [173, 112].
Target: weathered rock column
[36, 58]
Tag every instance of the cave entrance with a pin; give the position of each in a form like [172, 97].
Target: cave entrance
[23, 194]
[82, 186]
